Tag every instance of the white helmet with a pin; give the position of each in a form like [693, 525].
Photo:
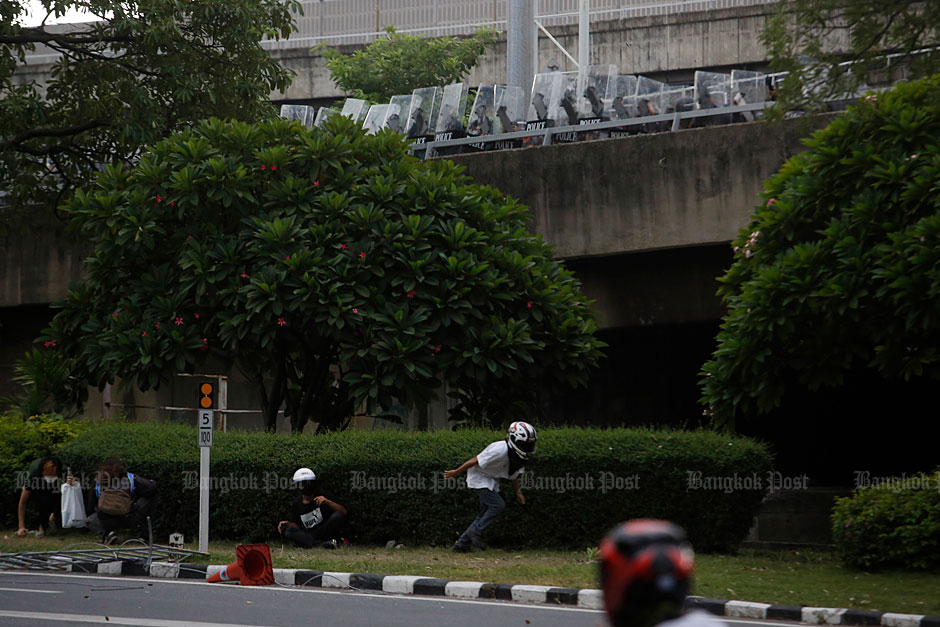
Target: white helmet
[522, 439]
[304, 474]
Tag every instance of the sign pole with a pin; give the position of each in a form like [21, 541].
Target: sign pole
[204, 499]
[205, 443]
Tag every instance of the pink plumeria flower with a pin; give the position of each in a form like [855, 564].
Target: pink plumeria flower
[49, 344]
[143, 333]
[178, 321]
[158, 198]
[273, 168]
[354, 310]
[281, 322]
[157, 326]
[747, 253]
[264, 167]
[343, 246]
[529, 305]
[244, 275]
[412, 294]
[362, 255]
[196, 316]
[772, 201]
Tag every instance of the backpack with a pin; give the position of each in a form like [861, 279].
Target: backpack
[113, 501]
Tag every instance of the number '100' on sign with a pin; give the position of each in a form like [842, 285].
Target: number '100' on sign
[205, 428]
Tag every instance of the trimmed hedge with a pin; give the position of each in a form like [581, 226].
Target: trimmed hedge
[583, 481]
[23, 441]
[893, 523]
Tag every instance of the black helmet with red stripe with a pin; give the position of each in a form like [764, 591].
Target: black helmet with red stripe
[646, 570]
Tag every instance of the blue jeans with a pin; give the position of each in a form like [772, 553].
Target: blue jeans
[491, 506]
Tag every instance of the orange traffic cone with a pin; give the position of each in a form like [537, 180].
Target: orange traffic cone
[251, 568]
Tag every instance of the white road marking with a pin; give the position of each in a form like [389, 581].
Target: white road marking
[111, 620]
[303, 590]
[31, 590]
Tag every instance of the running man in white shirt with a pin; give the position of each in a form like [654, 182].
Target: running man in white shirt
[502, 459]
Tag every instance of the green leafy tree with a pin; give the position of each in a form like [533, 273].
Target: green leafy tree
[830, 48]
[839, 269]
[146, 69]
[401, 63]
[337, 272]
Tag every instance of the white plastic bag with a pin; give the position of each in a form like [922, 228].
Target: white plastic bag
[73, 506]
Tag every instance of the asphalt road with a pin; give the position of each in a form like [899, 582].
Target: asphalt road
[32, 599]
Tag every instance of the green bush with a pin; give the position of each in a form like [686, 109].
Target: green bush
[392, 482]
[21, 442]
[891, 524]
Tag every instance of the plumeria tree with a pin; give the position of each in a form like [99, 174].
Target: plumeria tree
[838, 273]
[335, 271]
[130, 75]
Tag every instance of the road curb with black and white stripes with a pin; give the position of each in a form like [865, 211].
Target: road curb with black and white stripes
[572, 597]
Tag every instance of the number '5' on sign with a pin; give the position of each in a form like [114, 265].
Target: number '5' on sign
[205, 428]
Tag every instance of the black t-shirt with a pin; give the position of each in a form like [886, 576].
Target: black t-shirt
[310, 515]
[37, 486]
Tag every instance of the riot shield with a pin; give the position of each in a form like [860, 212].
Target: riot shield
[303, 113]
[623, 101]
[748, 88]
[511, 110]
[324, 114]
[712, 90]
[356, 109]
[598, 92]
[397, 115]
[483, 112]
[453, 109]
[425, 106]
[375, 119]
[649, 97]
[679, 99]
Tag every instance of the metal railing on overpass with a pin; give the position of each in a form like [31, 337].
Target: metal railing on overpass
[362, 21]
[546, 136]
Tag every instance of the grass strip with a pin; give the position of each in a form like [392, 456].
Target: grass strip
[804, 577]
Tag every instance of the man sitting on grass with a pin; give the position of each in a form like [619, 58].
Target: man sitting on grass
[316, 520]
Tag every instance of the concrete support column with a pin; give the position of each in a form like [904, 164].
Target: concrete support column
[520, 36]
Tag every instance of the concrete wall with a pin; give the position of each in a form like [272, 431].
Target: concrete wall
[598, 198]
[36, 266]
[604, 197]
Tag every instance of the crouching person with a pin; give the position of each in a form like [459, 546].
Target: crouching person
[124, 500]
[42, 486]
[316, 519]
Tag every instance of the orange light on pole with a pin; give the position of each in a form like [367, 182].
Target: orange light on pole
[207, 398]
